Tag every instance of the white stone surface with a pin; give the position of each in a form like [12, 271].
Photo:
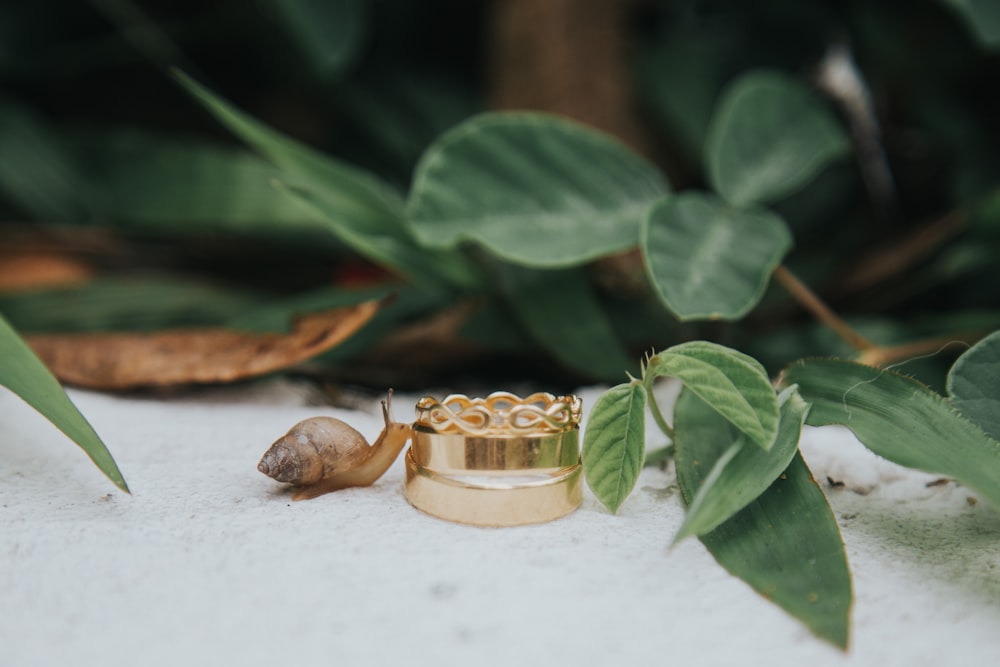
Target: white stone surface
[209, 562]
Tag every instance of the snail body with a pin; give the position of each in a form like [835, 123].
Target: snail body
[323, 454]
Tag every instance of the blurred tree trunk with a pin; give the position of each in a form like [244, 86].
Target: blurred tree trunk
[567, 57]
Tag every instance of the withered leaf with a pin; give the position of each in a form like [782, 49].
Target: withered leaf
[35, 270]
[183, 356]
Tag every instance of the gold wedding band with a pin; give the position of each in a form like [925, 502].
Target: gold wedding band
[493, 501]
[456, 454]
[500, 413]
[495, 461]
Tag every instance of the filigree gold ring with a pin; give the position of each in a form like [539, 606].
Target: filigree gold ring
[495, 461]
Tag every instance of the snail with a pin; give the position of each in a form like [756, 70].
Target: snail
[323, 454]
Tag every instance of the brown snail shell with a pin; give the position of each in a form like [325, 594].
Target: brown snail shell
[313, 449]
[323, 454]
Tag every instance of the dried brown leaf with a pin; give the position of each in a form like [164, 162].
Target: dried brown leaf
[34, 270]
[204, 355]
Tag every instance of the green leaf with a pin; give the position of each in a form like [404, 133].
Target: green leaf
[785, 544]
[409, 303]
[327, 32]
[974, 384]
[659, 456]
[533, 189]
[493, 326]
[708, 260]
[124, 304]
[901, 420]
[365, 199]
[277, 315]
[983, 18]
[560, 311]
[770, 135]
[363, 211]
[25, 375]
[735, 385]
[744, 471]
[183, 185]
[402, 112]
[615, 442]
[428, 265]
[37, 173]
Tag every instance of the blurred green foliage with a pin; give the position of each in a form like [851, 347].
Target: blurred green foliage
[340, 100]
[236, 163]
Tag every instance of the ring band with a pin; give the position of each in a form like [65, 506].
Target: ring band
[501, 434]
[454, 453]
[543, 498]
[495, 461]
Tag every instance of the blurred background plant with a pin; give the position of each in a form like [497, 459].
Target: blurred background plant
[202, 192]
[126, 207]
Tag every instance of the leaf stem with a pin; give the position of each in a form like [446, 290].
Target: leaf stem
[654, 408]
[657, 457]
[884, 263]
[811, 302]
[884, 356]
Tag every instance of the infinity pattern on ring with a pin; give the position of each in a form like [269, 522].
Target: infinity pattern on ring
[500, 413]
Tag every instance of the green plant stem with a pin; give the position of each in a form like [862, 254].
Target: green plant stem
[811, 302]
[658, 416]
[658, 456]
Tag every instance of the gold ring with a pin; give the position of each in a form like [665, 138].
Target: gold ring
[498, 502]
[501, 434]
[496, 461]
[500, 413]
[497, 455]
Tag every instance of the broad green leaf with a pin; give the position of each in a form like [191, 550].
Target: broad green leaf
[276, 315]
[191, 186]
[365, 201]
[744, 471]
[615, 442]
[494, 327]
[778, 348]
[450, 267]
[560, 311]
[25, 375]
[785, 544]
[899, 419]
[37, 173]
[364, 212]
[327, 32]
[735, 385]
[708, 260]
[533, 189]
[126, 304]
[974, 384]
[402, 112]
[983, 18]
[769, 136]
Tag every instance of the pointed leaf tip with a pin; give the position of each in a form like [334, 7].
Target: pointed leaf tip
[732, 383]
[786, 543]
[743, 472]
[614, 443]
[24, 374]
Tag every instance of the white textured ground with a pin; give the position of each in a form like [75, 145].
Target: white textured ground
[209, 562]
